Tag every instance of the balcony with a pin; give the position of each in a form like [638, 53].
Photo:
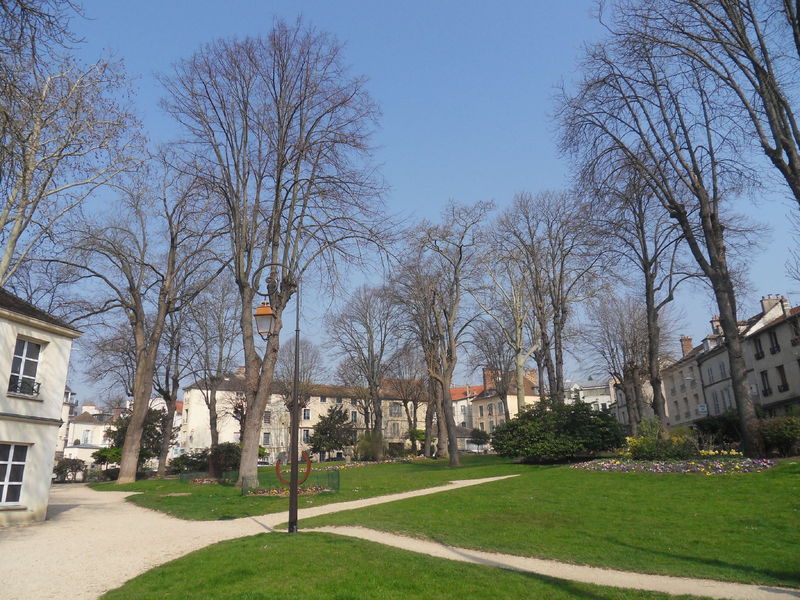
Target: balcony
[759, 354]
[766, 392]
[796, 340]
[23, 386]
[784, 387]
[775, 349]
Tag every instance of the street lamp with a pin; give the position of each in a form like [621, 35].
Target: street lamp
[265, 324]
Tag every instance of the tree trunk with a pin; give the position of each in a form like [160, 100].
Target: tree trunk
[519, 373]
[638, 391]
[752, 443]
[377, 428]
[653, 362]
[412, 424]
[142, 390]
[166, 440]
[450, 421]
[630, 405]
[441, 426]
[427, 448]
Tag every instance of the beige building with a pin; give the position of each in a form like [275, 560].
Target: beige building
[195, 430]
[487, 408]
[699, 384]
[34, 356]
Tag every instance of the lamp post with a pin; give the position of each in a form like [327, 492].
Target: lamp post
[265, 323]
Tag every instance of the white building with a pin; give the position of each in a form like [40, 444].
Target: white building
[34, 356]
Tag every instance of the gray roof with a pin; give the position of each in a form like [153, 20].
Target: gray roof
[16, 304]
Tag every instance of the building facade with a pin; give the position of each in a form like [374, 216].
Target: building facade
[34, 357]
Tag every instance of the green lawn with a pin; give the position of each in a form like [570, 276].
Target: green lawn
[743, 528]
[213, 502]
[316, 566]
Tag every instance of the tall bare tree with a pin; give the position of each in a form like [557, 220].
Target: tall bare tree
[451, 249]
[212, 332]
[650, 245]
[366, 332]
[489, 350]
[641, 108]
[279, 132]
[408, 384]
[616, 334]
[149, 259]
[507, 298]
[563, 263]
[311, 369]
[750, 52]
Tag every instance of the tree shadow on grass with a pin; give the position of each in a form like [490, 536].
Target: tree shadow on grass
[789, 578]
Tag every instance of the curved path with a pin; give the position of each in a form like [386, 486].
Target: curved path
[95, 541]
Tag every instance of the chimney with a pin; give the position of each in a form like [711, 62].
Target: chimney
[785, 305]
[715, 327]
[686, 345]
[769, 302]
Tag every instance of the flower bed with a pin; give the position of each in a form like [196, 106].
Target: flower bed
[705, 466]
[281, 492]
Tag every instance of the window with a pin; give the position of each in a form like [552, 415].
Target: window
[491, 409]
[759, 351]
[353, 416]
[716, 402]
[723, 371]
[323, 399]
[480, 411]
[795, 323]
[86, 438]
[339, 401]
[24, 367]
[500, 410]
[783, 386]
[765, 389]
[306, 435]
[12, 466]
[396, 429]
[774, 346]
[710, 372]
[306, 414]
[265, 439]
[483, 428]
[267, 417]
[491, 426]
[395, 409]
[463, 409]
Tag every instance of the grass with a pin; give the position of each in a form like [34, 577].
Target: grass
[316, 566]
[214, 502]
[743, 528]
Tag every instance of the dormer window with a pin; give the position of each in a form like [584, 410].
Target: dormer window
[24, 368]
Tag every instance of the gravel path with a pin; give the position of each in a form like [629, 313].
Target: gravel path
[79, 553]
[93, 541]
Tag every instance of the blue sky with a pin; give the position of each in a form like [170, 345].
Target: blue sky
[466, 90]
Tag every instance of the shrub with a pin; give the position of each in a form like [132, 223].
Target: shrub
[68, 466]
[190, 462]
[652, 448]
[226, 456]
[781, 434]
[368, 445]
[548, 432]
[479, 437]
[720, 430]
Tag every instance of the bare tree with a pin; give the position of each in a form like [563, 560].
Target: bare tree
[651, 245]
[408, 384]
[111, 356]
[563, 263]
[212, 332]
[642, 109]
[490, 351]
[750, 49]
[507, 298]
[311, 369]
[350, 376]
[451, 249]
[64, 135]
[150, 259]
[616, 335]
[366, 332]
[280, 133]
